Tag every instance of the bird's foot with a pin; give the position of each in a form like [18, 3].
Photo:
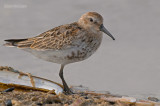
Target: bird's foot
[68, 91]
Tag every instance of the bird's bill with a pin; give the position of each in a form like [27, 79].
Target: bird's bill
[103, 29]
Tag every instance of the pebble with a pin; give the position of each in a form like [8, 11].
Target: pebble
[8, 102]
[153, 99]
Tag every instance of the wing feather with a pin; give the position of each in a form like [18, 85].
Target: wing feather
[56, 38]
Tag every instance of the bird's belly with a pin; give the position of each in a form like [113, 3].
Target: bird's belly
[66, 56]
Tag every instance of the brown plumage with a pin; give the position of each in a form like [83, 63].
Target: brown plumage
[56, 38]
[66, 43]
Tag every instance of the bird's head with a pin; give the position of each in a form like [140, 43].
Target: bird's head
[94, 22]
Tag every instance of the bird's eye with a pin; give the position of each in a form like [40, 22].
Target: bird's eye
[91, 20]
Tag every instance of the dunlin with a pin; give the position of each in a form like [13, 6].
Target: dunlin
[66, 43]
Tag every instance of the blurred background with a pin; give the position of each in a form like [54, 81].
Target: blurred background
[130, 65]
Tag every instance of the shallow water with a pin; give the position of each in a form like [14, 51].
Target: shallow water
[130, 65]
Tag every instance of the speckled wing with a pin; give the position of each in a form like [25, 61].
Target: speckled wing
[56, 38]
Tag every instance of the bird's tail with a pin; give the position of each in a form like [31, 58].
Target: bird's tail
[13, 42]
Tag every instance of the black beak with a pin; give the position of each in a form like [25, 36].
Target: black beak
[103, 29]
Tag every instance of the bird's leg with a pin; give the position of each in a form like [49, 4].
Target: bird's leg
[66, 88]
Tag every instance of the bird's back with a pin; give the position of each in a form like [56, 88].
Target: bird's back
[56, 38]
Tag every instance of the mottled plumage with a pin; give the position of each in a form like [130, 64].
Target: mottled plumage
[55, 39]
[66, 43]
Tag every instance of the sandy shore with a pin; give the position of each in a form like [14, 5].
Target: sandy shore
[11, 95]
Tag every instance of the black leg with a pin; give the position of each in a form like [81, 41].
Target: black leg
[66, 88]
